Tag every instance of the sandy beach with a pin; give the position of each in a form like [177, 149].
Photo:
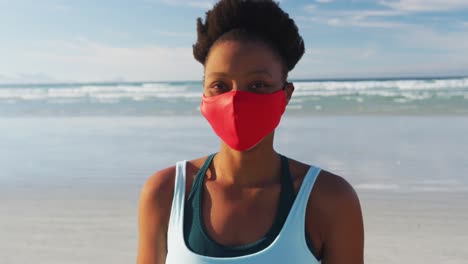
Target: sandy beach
[69, 186]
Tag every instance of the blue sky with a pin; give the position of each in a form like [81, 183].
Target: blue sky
[139, 40]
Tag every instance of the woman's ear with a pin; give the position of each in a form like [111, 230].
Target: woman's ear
[288, 89]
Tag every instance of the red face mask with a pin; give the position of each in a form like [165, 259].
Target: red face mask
[242, 119]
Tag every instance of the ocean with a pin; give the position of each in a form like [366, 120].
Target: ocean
[73, 158]
[416, 96]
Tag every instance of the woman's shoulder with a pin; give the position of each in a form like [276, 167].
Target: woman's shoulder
[153, 215]
[334, 212]
[335, 200]
[330, 192]
[156, 195]
[159, 187]
[329, 186]
[333, 187]
[344, 231]
[333, 205]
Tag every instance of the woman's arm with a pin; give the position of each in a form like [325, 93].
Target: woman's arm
[153, 217]
[344, 242]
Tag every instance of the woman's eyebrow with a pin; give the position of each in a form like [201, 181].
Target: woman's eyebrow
[260, 72]
[217, 74]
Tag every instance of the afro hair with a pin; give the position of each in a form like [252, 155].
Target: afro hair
[255, 19]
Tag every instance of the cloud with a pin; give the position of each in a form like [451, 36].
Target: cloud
[364, 18]
[356, 62]
[377, 24]
[454, 43]
[204, 4]
[364, 14]
[415, 51]
[425, 5]
[354, 18]
[310, 8]
[26, 78]
[61, 8]
[387, 17]
[86, 60]
[323, 1]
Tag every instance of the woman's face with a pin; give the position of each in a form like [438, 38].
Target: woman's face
[246, 66]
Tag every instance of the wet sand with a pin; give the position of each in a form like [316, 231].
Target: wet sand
[69, 187]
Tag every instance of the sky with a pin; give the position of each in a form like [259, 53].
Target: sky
[151, 40]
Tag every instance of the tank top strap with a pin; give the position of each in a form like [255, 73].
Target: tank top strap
[198, 181]
[176, 220]
[286, 178]
[293, 229]
[174, 232]
[287, 194]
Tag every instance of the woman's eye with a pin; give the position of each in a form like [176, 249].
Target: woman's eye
[258, 85]
[218, 86]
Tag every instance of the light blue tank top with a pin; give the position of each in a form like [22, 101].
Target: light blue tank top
[289, 246]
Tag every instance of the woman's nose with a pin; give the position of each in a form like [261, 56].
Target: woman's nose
[238, 87]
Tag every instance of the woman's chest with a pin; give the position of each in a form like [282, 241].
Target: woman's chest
[236, 218]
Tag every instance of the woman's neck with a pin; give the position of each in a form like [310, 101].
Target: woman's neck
[255, 168]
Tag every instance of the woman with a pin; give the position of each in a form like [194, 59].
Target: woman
[247, 203]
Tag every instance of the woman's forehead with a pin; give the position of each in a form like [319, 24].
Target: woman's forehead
[245, 58]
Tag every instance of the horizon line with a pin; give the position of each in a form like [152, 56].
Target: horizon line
[415, 77]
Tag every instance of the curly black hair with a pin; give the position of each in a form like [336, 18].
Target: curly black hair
[250, 20]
